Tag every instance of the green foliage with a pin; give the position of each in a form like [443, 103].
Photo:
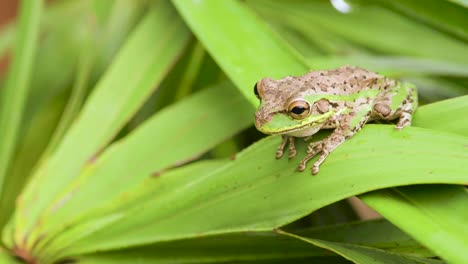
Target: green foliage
[117, 118]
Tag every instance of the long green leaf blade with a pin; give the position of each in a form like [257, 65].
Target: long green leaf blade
[215, 249]
[117, 96]
[248, 50]
[16, 89]
[357, 253]
[142, 157]
[221, 192]
[374, 233]
[448, 115]
[434, 215]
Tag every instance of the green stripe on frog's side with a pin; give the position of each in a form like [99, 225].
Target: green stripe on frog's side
[343, 99]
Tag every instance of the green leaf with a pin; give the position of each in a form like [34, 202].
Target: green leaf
[394, 66]
[79, 91]
[463, 3]
[434, 215]
[358, 254]
[448, 115]
[255, 175]
[190, 128]
[215, 249]
[34, 141]
[440, 14]
[141, 63]
[248, 50]
[374, 233]
[264, 245]
[16, 89]
[408, 37]
[6, 258]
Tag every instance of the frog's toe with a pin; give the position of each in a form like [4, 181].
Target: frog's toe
[279, 154]
[315, 170]
[301, 167]
[292, 153]
[402, 123]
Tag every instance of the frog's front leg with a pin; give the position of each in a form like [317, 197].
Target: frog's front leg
[349, 125]
[292, 147]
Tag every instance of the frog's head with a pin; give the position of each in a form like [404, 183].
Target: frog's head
[285, 109]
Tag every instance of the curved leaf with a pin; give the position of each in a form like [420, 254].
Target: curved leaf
[104, 187]
[116, 97]
[393, 66]
[408, 37]
[282, 195]
[448, 115]
[360, 254]
[18, 84]
[434, 215]
[216, 249]
[374, 233]
[242, 45]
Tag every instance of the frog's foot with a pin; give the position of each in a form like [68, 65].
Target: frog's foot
[325, 147]
[405, 118]
[313, 149]
[321, 159]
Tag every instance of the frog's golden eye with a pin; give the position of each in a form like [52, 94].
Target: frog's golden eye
[299, 109]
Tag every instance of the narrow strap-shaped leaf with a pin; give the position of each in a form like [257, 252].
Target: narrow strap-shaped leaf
[442, 15]
[447, 115]
[266, 245]
[360, 254]
[435, 215]
[18, 84]
[281, 194]
[393, 66]
[139, 66]
[408, 36]
[377, 233]
[248, 50]
[6, 258]
[125, 170]
[229, 248]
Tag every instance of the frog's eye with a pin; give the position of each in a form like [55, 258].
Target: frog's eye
[299, 109]
[258, 90]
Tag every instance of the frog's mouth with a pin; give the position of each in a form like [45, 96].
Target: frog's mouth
[283, 124]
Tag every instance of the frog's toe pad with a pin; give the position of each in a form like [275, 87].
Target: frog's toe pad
[301, 167]
[315, 170]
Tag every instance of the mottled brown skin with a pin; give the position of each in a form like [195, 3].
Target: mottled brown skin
[338, 87]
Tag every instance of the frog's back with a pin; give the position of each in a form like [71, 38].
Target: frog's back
[344, 80]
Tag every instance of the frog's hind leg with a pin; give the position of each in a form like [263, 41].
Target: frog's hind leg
[397, 103]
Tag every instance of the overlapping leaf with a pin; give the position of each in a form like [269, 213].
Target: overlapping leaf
[242, 247]
[434, 215]
[18, 84]
[118, 95]
[362, 254]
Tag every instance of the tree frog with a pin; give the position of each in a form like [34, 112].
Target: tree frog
[343, 99]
